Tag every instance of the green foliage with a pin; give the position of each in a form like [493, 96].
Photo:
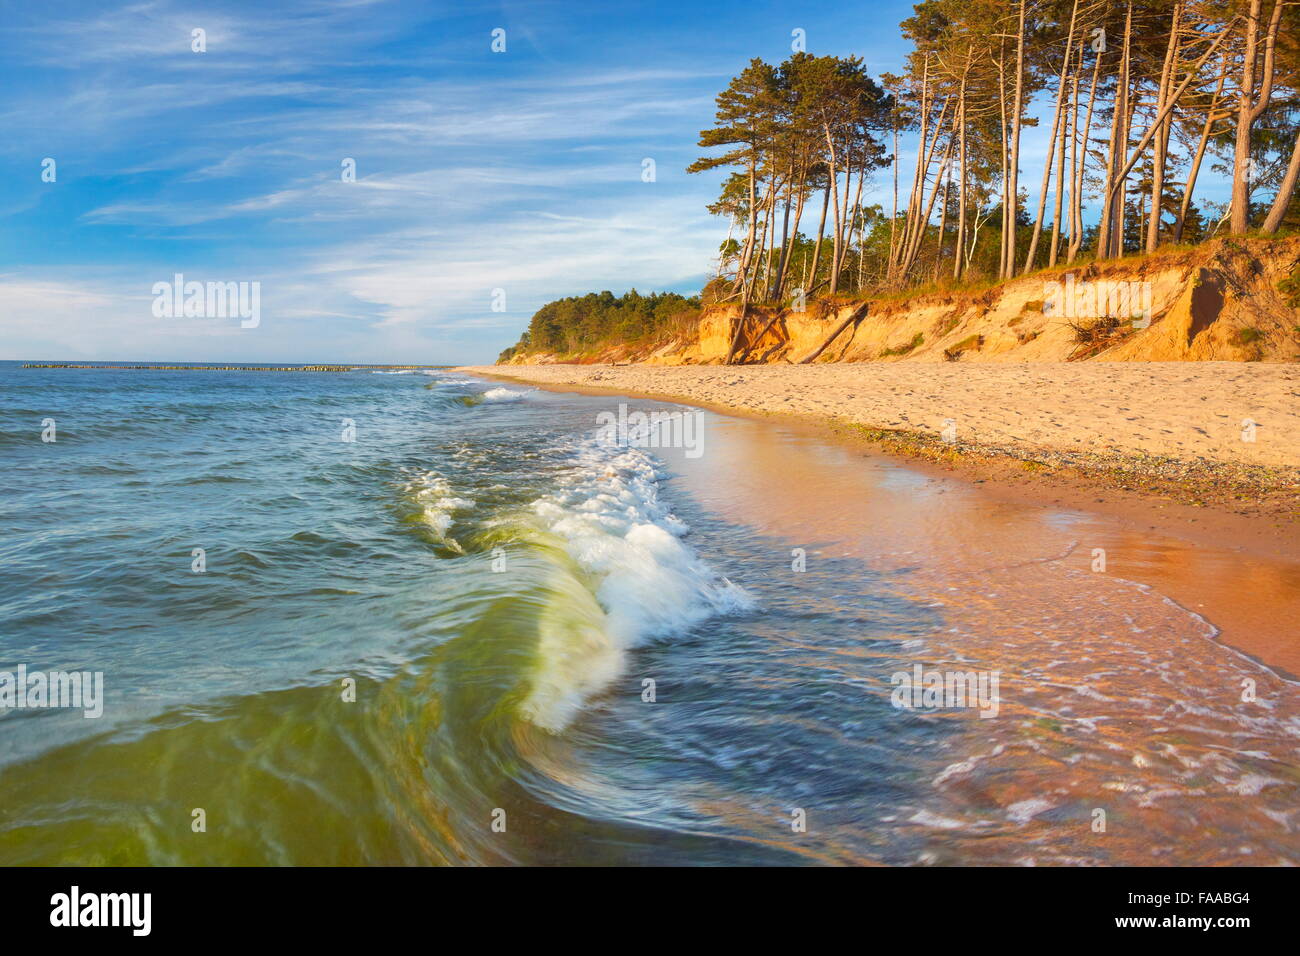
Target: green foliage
[906, 347]
[945, 326]
[968, 344]
[1290, 288]
[579, 323]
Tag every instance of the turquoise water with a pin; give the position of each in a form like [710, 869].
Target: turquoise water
[481, 633]
[498, 584]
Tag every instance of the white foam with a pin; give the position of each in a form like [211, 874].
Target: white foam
[502, 395]
[1251, 784]
[433, 494]
[445, 379]
[1026, 810]
[649, 584]
[927, 819]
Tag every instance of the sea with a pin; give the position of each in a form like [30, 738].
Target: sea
[417, 617]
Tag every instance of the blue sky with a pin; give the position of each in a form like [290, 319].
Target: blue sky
[475, 170]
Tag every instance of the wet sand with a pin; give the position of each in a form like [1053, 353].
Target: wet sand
[1239, 571]
[1122, 688]
[791, 481]
[1158, 446]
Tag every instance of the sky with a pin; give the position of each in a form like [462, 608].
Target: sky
[486, 183]
[482, 178]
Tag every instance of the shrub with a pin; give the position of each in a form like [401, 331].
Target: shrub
[916, 341]
[968, 344]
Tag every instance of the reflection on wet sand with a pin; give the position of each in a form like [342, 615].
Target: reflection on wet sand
[1130, 731]
[790, 482]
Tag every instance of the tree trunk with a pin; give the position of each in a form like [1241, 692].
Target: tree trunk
[922, 164]
[943, 224]
[1108, 244]
[1284, 192]
[834, 174]
[1017, 111]
[893, 220]
[857, 201]
[821, 229]
[743, 269]
[914, 233]
[1076, 189]
[1006, 171]
[914, 249]
[1249, 108]
[1161, 142]
[756, 259]
[854, 318]
[961, 182]
[843, 225]
[731, 228]
[1057, 118]
[1121, 201]
[1068, 132]
[770, 241]
[1194, 171]
[800, 197]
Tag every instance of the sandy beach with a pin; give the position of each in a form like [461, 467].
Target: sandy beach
[1185, 411]
[1143, 455]
[1207, 449]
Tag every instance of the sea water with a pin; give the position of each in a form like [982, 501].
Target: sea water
[420, 618]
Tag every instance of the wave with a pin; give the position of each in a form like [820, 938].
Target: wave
[449, 392]
[447, 376]
[598, 565]
[641, 581]
[437, 506]
[469, 695]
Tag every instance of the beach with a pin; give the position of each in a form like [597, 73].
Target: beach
[717, 438]
[1205, 517]
[635, 654]
[1158, 444]
[1187, 411]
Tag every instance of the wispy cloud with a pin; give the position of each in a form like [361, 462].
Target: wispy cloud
[474, 170]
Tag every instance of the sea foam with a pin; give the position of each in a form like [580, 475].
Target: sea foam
[648, 583]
